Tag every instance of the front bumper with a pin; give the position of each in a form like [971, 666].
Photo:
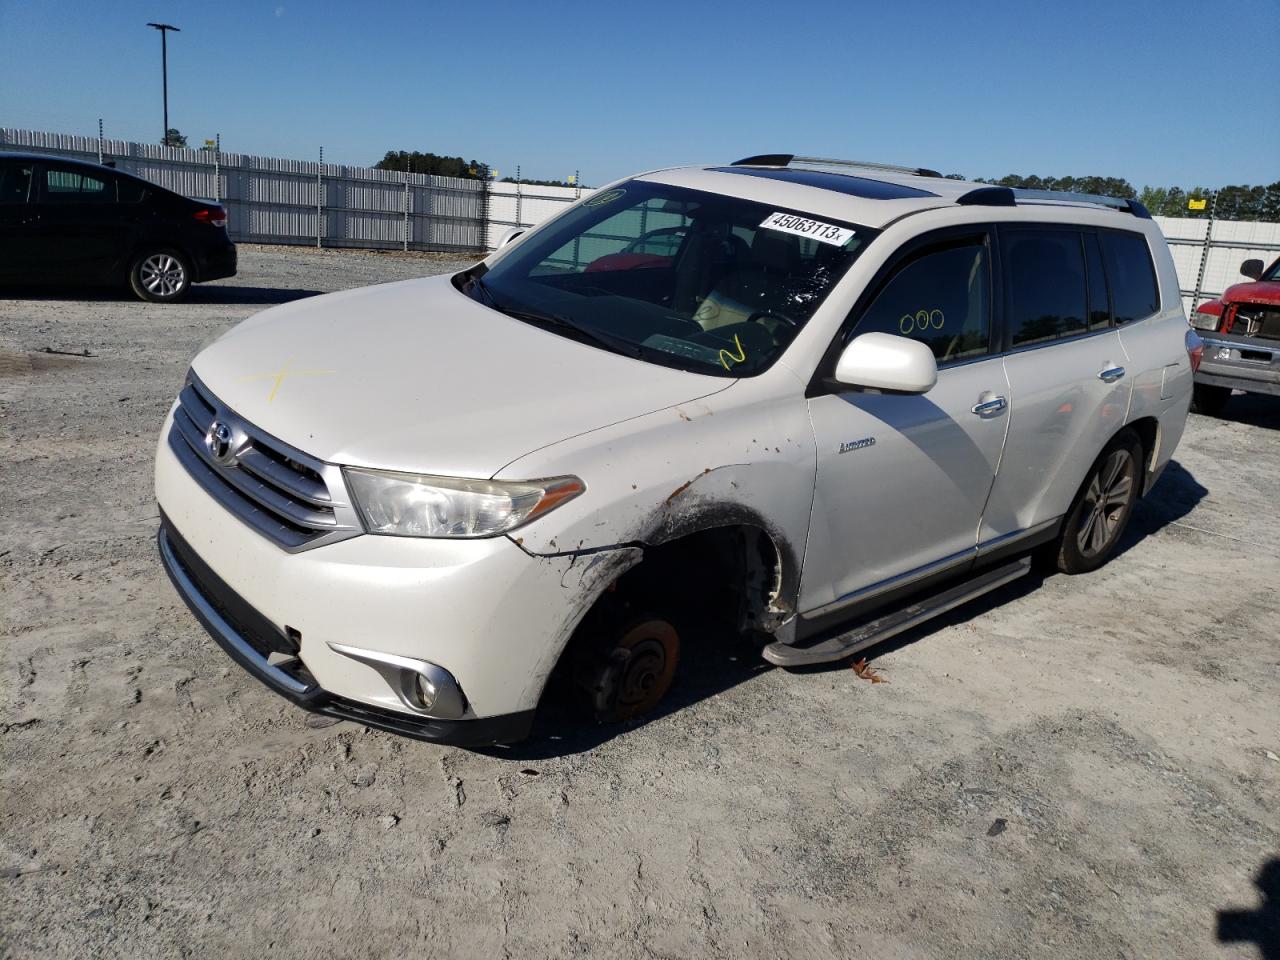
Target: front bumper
[245, 635]
[1242, 363]
[491, 615]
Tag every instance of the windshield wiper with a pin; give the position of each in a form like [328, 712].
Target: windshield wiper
[577, 331]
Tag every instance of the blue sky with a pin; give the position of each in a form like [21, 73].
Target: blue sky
[1160, 93]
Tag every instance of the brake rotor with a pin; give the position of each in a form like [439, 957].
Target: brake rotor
[636, 671]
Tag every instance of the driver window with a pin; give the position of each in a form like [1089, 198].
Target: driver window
[942, 298]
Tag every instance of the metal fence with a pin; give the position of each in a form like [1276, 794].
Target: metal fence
[1208, 252]
[270, 200]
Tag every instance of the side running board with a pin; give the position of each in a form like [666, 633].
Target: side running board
[891, 624]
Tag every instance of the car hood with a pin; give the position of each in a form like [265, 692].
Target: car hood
[1256, 291]
[417, 376]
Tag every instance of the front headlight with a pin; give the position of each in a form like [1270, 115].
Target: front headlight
[1204, 321]
[413, 505]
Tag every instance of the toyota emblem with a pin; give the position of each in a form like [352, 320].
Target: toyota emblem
[218, 440]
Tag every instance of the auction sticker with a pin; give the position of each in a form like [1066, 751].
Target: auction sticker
[813, 229]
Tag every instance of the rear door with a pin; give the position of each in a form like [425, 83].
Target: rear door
[902, 480]
[17, 218]
[1067, 371]
[83, 233]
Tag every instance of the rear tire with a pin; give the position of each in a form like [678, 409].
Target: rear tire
[160, 275]
[1208, 399]
[1102, 508]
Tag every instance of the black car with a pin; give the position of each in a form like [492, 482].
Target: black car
[68, 221]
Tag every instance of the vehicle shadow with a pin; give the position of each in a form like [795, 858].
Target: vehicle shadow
[1252, 409]
[1174, 496]
[724, 661]
[563, 727]
[199, 293]
[1260, 927]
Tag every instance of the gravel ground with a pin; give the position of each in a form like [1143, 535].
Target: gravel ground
[1074, 767]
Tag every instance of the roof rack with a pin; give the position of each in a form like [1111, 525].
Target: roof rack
[786, 159]
[1009, 197]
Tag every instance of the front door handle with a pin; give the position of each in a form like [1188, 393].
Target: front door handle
[987, 407]
[1111, 374]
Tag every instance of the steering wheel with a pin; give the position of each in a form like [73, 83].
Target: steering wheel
[773, 315]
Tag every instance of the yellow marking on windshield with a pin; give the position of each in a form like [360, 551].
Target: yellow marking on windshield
[727, 355]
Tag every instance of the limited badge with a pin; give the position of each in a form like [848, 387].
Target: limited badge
[804, 227]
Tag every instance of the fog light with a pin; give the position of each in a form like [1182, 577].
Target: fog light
[422, 686]
[426, 692]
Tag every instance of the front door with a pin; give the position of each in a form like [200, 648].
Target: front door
[82, 233]
[17, 216]
[903, 480]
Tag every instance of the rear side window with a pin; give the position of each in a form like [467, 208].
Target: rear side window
[72, 186]
[1044, 285]
[130, 190]
[15, 182]
[942, 298]
[1133, 276]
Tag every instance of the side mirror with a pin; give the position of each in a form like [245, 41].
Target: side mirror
[883, 361]
[1252, 269]
[511, 234]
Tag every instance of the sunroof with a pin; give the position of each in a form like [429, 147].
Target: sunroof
[839, 182]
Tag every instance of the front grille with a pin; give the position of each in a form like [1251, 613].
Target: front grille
[1255, 320]
[292, 499]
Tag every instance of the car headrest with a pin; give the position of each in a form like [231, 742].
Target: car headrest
[775, 251]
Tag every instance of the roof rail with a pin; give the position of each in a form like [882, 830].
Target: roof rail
[1009, 196]
[786, 159]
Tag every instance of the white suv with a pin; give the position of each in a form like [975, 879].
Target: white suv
[821, 401]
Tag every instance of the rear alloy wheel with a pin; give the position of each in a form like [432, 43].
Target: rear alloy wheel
[1102, 508]
[1208, 399]
[160, 276]
[631, 669]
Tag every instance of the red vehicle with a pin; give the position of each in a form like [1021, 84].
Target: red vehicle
[1241, 333]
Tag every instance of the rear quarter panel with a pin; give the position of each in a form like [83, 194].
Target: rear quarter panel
[1157, 352]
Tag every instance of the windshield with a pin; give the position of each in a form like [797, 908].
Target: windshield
[1273, 273]
[709, 283]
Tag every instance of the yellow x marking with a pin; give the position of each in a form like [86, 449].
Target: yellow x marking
[279, 376]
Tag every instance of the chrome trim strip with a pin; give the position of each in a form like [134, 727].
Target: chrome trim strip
[226, 633]
[919, 573]
[988, 545]
[401, 674]
[278, 475]
[247, 483]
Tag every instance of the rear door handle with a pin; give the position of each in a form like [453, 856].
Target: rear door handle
[987, 407]
[1111, 374]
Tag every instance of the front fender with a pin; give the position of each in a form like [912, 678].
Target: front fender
[743, 456]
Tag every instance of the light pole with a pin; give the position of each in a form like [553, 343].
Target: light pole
[164, 29]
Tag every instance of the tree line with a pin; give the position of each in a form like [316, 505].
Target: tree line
[1233, 202]
[416, 161]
